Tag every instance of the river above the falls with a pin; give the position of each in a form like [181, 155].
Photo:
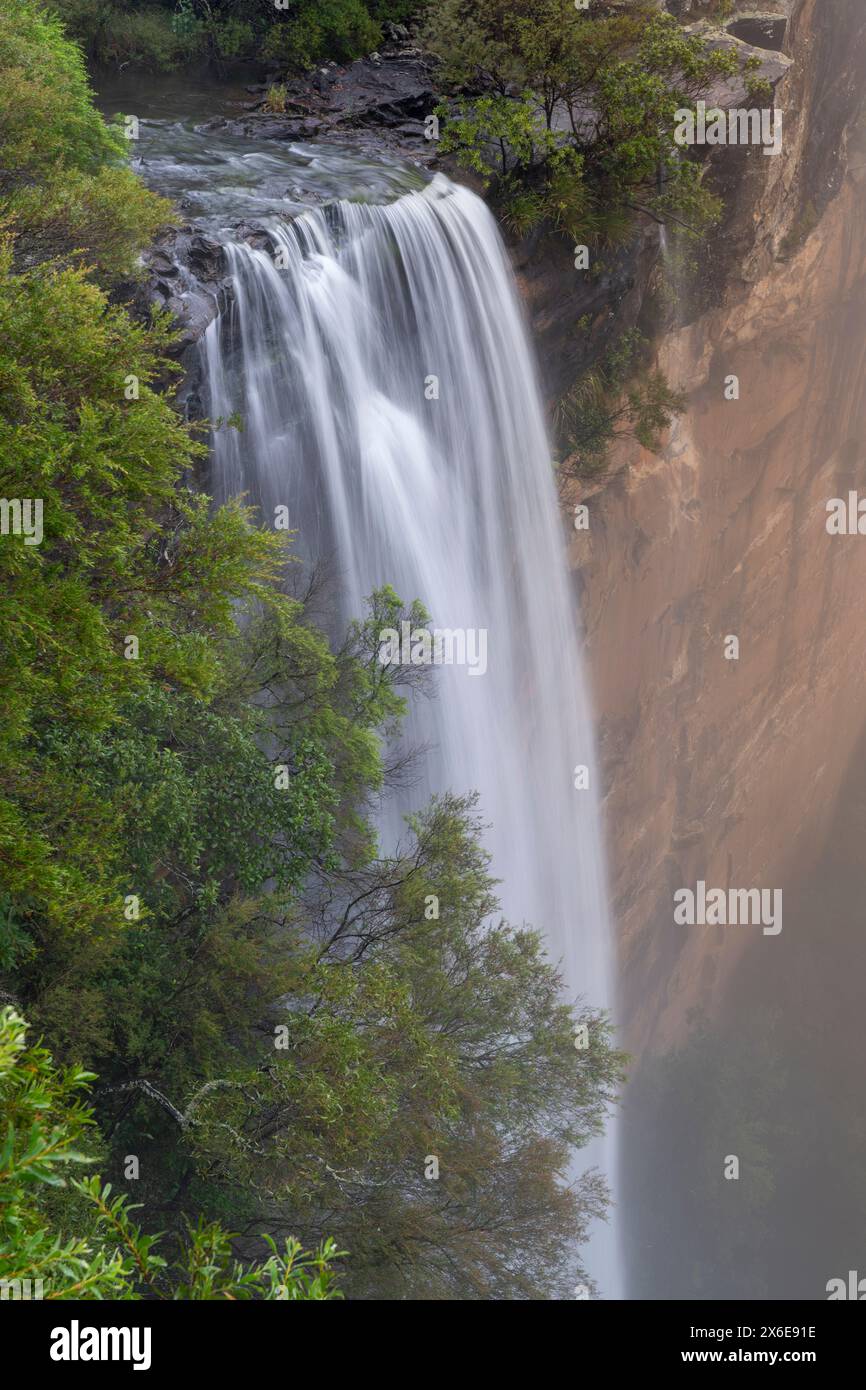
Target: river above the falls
[189, 150]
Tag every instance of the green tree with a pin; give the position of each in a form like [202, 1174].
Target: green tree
[67, 1238]
[393, 1035]
[65, 187]
[596, 92]
[318, 30]
[616, 399]
[167, 34]
[126, 554]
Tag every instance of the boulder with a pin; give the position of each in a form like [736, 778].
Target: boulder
[206, 257]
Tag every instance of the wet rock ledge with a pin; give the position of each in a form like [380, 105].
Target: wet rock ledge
[390, 92]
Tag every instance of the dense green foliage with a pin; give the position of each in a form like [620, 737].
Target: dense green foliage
[65, 189]
[286, 1026]
[569, 117]
[48, 1125]
[166, 34]
[617, 399]
[573, 111]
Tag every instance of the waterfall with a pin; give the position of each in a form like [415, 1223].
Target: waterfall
[389, 399]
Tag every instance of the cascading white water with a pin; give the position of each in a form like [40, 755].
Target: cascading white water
[446, 494]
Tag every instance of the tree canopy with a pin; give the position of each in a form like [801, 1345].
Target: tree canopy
[574, 111]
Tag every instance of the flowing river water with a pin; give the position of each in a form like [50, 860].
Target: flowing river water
[378, 357]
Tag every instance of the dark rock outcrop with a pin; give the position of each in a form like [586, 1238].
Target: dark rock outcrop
[206, 257]
[185, 274]
[392, 91]
[386, 91]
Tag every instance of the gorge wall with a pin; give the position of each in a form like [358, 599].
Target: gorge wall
[729, 771]
[747, 773]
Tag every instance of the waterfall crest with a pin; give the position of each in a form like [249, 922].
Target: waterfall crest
[389, 398]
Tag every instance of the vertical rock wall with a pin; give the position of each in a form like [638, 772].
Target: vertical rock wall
[729, 771]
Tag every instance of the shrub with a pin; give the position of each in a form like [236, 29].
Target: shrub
[112, 34]
[144, 38]
[276, 97]
[328, 29]
[619, 399]
[101, 221]
[47, 117]
[64, 185]
[85, 1245]
[232, 38]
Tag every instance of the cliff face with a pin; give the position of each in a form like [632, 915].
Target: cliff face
[723, 770]
[575, 318]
